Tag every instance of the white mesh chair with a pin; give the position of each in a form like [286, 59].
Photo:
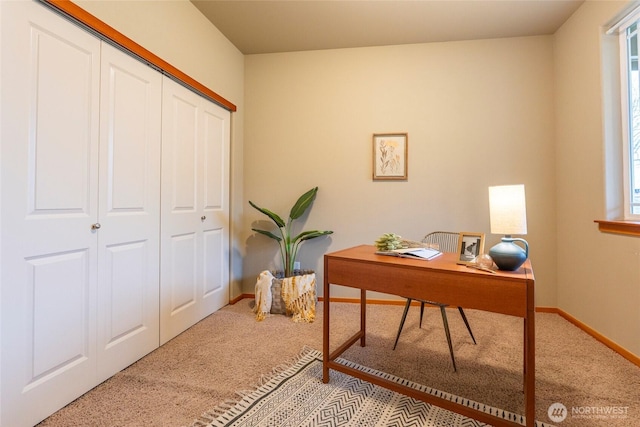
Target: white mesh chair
[444, 241]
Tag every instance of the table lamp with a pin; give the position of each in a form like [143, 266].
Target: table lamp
[508, 214]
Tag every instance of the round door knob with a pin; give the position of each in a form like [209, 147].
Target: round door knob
[202, 218]
[96, 226]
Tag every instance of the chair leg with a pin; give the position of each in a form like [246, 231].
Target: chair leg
[466, 322]
[421, 312]
[446, 330]
[404, 317]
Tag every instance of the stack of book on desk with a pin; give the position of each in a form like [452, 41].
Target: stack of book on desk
[415, 253]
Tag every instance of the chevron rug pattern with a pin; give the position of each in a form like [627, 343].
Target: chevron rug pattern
[297, 397]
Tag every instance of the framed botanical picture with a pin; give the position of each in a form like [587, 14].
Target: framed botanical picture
[390, 152]
[470, 245]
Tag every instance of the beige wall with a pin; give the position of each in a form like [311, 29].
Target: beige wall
[598, 274]
[178, 33]
[523, 110]
[478, 113]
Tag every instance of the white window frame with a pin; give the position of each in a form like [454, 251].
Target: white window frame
[620, 28]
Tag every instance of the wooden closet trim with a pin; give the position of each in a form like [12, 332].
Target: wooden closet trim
[80, 15]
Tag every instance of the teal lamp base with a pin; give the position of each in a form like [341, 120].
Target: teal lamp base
[507, 255]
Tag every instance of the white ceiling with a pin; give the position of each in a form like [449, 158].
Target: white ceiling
[266, 26]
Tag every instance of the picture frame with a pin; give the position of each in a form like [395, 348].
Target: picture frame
[470, 245]
[390, 156]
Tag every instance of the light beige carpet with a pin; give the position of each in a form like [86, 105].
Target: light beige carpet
[229, 351]
[297, 397]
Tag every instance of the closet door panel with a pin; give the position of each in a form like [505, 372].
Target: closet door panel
[60, 82]
[216, 136]
[195, 209]
[50, 102]
[215, 170]
[181, 234]
[183, 153]
[129, 211]
[184, 274]
[57, 282]
[124, 276]
[213, 267]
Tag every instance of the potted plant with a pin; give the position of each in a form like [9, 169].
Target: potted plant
[289, 245]
[295, 293]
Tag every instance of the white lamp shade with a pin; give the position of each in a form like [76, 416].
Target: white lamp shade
[508, 209]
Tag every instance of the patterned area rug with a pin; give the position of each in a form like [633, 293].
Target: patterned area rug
[298, 397]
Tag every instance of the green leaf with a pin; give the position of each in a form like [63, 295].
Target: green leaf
[312, 234]
[274, 216]
[303, 203]
[268, 234]
[288, 246]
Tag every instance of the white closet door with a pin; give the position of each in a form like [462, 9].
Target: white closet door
[49, 154]
[180, 212]
[129, 211]
[216, 139]
[195, 213]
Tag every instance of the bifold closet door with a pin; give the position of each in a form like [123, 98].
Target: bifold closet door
[194, 278]
[79, 211]
[49, 166]
[129, 211]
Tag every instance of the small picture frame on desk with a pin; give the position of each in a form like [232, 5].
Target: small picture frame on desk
[470, 245]
[390, 156]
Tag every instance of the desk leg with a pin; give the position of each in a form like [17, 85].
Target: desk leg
[325, 329]
[524, 355]
[363, 317]
[530, 360]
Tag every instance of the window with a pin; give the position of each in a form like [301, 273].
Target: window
[621, 122]
[628, 30]
[631, 118]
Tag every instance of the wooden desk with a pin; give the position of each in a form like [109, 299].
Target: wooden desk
[442, 280]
